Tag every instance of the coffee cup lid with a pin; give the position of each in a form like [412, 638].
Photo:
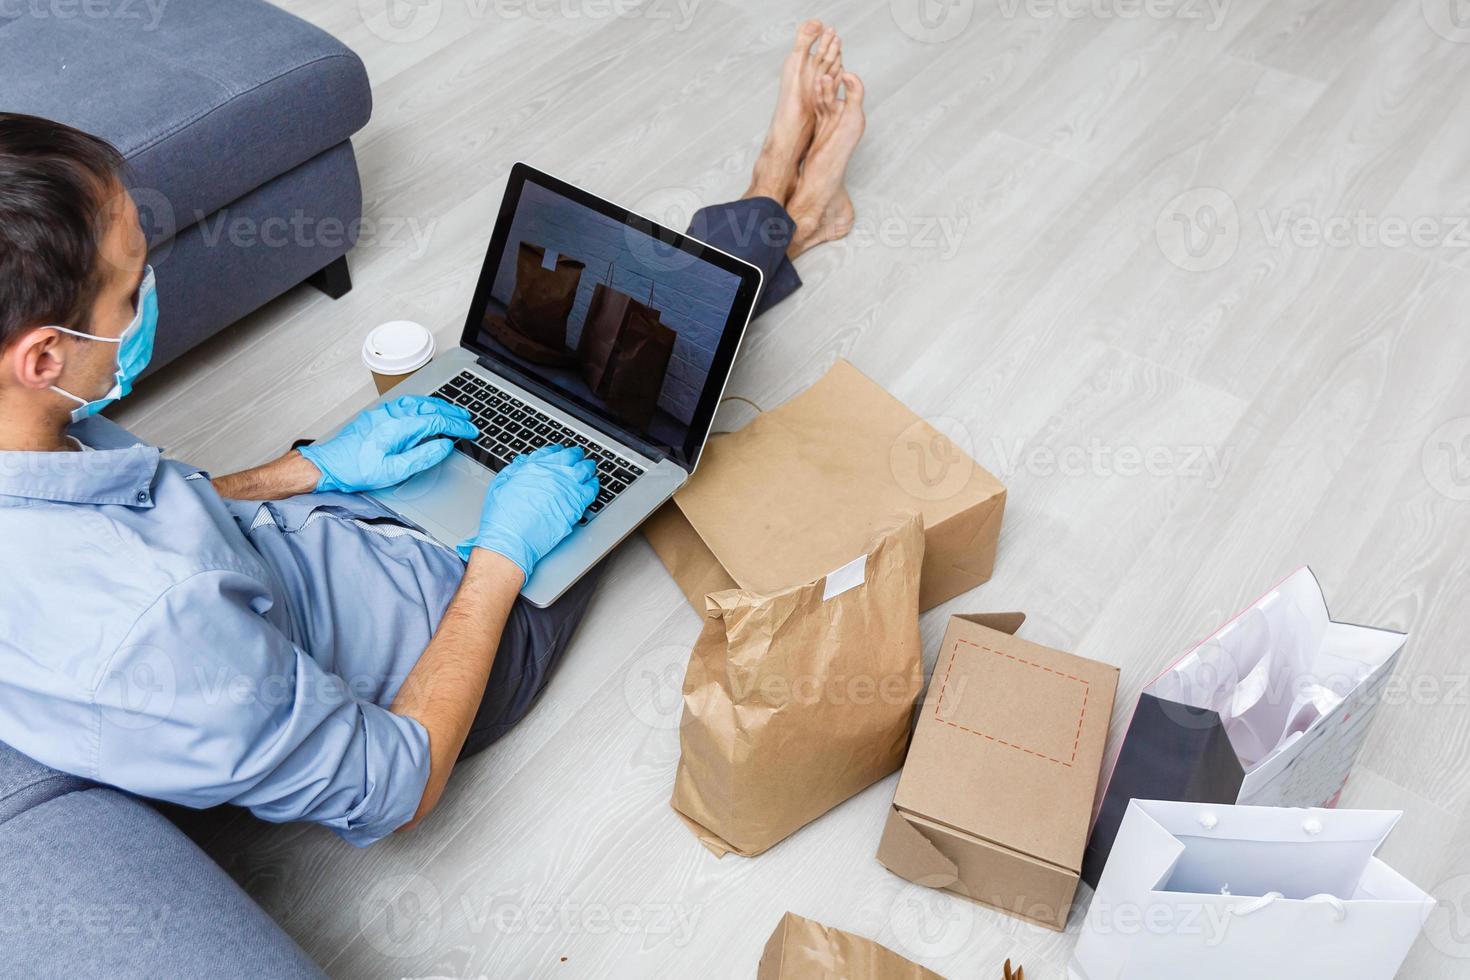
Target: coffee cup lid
[398, 347]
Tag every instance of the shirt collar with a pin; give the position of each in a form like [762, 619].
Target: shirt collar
[103, 476]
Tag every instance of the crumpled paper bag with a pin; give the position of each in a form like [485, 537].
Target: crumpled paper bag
[797, 700]
[801, 949]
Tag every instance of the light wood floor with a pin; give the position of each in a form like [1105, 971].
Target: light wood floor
[1023, 184]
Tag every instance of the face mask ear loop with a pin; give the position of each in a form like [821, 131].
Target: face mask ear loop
[86, 336]
[83, 405]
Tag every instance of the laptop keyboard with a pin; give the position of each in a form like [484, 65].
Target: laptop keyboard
[509, 427]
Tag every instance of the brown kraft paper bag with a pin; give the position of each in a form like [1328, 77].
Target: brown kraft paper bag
[802, 949]
[796, 700]
[535, 321]
[624, 353]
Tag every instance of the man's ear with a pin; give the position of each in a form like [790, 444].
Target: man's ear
[35, 359]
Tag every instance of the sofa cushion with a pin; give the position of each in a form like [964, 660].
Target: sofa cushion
[97, 884]
[208, 100]
[25, 783]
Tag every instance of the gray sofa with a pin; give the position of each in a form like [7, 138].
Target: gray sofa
[95, 883]
[235, 119]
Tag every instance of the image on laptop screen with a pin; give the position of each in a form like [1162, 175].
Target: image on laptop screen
[618, 321]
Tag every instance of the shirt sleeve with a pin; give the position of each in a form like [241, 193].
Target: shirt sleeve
[207, 702]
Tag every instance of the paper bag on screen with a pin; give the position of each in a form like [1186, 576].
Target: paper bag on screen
[801, 949]
[796, 700]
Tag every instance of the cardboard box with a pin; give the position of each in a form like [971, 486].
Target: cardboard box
[997, 791]
[804, 487]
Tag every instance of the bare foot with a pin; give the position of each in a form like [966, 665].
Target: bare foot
[813, 53]
[826, 59]
[820, 205]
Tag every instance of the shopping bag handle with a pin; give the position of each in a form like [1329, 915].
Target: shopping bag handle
[737, 398]
[1339, 910]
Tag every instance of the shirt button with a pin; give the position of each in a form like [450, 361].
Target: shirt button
[142, 496]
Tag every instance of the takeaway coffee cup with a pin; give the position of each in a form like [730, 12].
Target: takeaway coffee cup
[395, 350]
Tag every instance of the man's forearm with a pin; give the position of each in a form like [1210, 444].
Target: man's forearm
[444, 689]
[285, 477]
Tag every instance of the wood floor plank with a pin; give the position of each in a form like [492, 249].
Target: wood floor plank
[1014, 280]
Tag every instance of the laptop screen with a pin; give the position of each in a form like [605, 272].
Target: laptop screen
[624, 324]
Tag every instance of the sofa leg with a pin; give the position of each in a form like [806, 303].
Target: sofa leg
[335, 280]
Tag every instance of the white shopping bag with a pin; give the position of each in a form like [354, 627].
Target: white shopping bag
[1214, 892]
[1269, 711]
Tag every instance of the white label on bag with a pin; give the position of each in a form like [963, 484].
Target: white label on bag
[849, 576]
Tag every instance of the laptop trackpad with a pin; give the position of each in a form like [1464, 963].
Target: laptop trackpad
[445, 500]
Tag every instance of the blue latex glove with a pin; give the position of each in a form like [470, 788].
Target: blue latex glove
[386, 445]
[533, 503]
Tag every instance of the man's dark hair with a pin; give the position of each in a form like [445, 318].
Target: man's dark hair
[55, 182]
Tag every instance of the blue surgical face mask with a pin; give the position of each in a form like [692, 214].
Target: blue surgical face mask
[134, 351]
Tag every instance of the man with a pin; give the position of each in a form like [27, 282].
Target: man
[272, 639]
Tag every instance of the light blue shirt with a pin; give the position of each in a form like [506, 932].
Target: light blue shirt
[188, 648]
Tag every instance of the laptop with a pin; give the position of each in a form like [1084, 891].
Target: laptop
[591, 326]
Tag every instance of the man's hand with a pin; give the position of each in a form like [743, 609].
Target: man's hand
[388, 444]
[533, 503]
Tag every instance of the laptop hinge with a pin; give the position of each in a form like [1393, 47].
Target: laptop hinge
[656, 453]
